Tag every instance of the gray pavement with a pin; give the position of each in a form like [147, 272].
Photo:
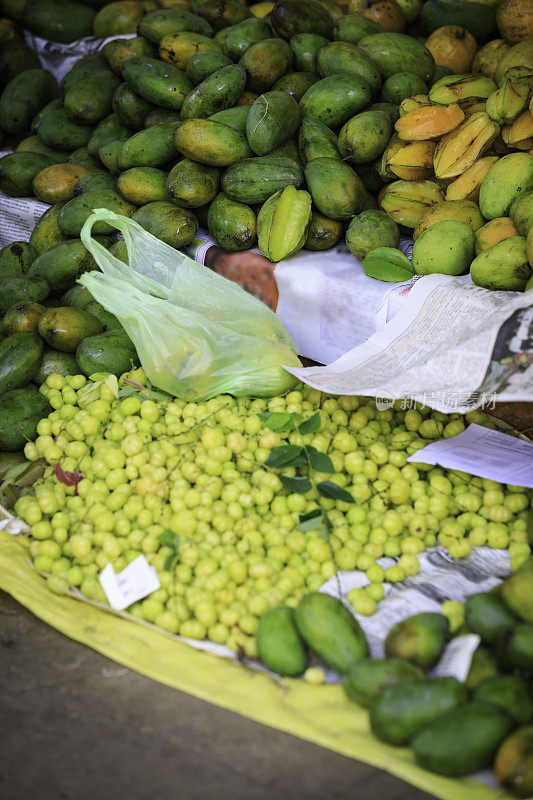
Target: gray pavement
[76, 726]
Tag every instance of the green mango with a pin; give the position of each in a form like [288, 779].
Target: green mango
[401, 85]
[58, 130]
[232, 225]
[233, 117]
[22, 317]
[55, 362]
[400, 711]
[82, 156]
[369, 677]
[16, 258]
[509, 693]
[265, 63]
[333, 100]
[158, 82]
[63, 328]
[158, 116]
[487, 615]
[13, 10]
[483, 667]
[437, 13]
[223, 13]
[191, 184]
[173, 225]
[516, 649]
[130, 108]
[278, 643]
[254, 180]
[45, 233]
[240, 37]
[513, 766]
[371, 229]
[446, 247]
[521, 212]
[17, 171]
[394, 52]
[112, 351]
[95, 181]
[178, 48]
[106, 131]
[62, 265]
[204, 63]
[75, 213]
[272, 119]
[20, 356]
[295, 83]
[78, 296]
[20, 411]
[365, 136]
[85, 66]
[120, 250]
[337, 58]
[517, 594]
[53, 105]
[305, 47]
[117, 18]
[504, 266]
[336, 189]
[90, 100]
[290, 17]
[163, 21]
[142, 185]
[218, 92]
[419, 639]
[31, 144]
[151, 147]
[316, 140]
[390, 109]
[108, 320]
[118, 51]
[59, 20]
[210, 142]
[330, 630]
[23, 97]
[109, 153]
[18, 288]
[323, 232]
[353, 27]
[16, 57]
[463, 740]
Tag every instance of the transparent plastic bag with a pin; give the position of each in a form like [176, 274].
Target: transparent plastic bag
[197, 334]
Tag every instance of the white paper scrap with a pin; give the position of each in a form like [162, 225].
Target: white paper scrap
[134, 582]
[483, 452]
[456, 660]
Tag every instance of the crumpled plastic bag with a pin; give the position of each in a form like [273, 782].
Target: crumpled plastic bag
[197, 334]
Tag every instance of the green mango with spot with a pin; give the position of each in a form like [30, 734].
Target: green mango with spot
[163, 21]
[369, 677]
[504, 266]
[232, 225]
[371, 229]
[265, 63]
[83, 67]
[278, 643]
[23, 317]
[273, 118]
[223, 13]
[394, 52]
[521, 212]
[419, 639]
[17, 171]
[218, 92]
[130, 108]
[62, 265]
[60, 131]
[109, 153]
[211, 143]
[16, 258]
[78, 296]
[323, 232]
[254, 180]
[365, 136]
[95, 181]
[45, 233]
[23, 98]
[201, 65]
[20, 356]
[18, 288]
[295, 83]
[90, 100]
[151, 147]
[107, 130]
[173, 225]
[336, 58]
[142, 185]
[316, 140]
[20, 411]
[305, 47]
[233, 117]
[55, 362]
[240, 37]
[333, 100]
[291, 17]
[64, 327]
[335, 187]
[112, 351]
[191, 185]
[118, 51]
[74, 214]
[158, 82]
[353, 27]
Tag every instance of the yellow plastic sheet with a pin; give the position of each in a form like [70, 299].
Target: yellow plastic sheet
[319, 714]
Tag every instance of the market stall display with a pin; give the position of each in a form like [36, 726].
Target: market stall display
[158, 455]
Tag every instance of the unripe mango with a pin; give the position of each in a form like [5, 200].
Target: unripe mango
[457, 210]
[503, 267]
[510, 177]
[521, 212]
[446, 247]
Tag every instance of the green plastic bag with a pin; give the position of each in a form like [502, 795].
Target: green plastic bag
[197, 334]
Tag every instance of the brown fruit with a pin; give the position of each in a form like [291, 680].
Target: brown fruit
[452, 47]
[515, 20]
[386, 13]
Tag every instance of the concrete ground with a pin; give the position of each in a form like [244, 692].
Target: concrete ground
[76, 726]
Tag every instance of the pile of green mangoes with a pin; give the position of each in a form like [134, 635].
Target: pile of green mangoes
[453, 728]
[291, 125]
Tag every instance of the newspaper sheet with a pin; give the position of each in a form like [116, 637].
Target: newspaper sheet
[18, 215]
[59, 58]
[454, 347]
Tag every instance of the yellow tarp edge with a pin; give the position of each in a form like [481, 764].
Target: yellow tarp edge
[319, 714]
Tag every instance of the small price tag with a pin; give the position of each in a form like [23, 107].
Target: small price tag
[133, 583]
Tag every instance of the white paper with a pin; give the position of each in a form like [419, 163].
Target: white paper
[456, 660]
[59, 58]
[11, 524]
[134, 582]
[18, 215]
[454, 347]
[483, 452]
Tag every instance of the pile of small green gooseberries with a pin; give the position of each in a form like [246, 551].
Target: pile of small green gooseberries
[186, 485]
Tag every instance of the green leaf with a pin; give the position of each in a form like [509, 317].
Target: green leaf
[320, 462]
[169, 562]
[284, 455]
[279, 420]
[334, 492]
[311, 425]
[311, 524]
[127, 391]
[154, 394]
[169, 539]
[388, 264]
[316, 512]
[297, 485]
